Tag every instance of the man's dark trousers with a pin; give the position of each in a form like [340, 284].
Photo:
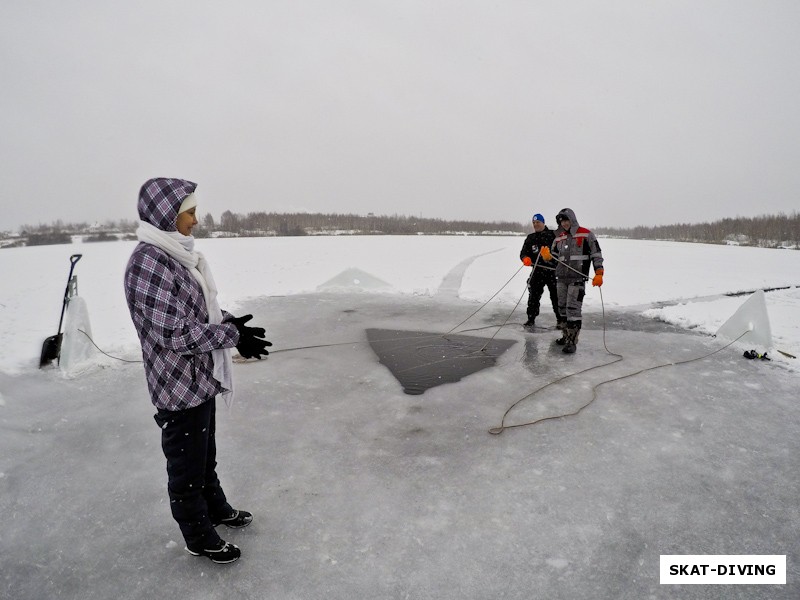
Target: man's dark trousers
[536, 287]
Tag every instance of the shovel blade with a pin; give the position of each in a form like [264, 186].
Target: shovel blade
[51, 350]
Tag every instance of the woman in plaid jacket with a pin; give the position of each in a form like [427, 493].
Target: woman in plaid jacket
[186, 340]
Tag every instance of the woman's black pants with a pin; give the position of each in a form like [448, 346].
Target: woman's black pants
[195, 494]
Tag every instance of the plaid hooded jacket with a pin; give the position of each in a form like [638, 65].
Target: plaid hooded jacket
[169, 310]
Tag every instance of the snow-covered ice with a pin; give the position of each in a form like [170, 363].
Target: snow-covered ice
[362, 491]
[679, 283]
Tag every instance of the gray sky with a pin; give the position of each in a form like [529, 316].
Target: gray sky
[630, 112]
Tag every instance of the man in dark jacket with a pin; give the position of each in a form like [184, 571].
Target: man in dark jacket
[544, 272]
[575, 249]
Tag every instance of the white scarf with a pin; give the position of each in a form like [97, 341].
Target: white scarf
[181, 248]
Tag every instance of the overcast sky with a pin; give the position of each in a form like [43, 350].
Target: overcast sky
[630, 112]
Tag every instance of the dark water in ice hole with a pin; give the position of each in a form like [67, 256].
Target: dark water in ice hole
[420, 360]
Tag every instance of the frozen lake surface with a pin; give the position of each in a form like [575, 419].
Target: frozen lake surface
[360, 490]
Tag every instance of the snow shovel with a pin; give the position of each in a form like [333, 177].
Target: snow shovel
[51, 347]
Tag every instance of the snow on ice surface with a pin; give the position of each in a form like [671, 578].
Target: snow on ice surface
[362, 491]
[639, 275]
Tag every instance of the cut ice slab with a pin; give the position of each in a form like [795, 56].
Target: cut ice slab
[354, 279]
[750, 323]
[77, 349]
[420, 360]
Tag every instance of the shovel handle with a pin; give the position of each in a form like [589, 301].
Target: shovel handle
[72, 260]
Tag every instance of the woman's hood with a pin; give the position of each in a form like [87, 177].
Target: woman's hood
[160, 199]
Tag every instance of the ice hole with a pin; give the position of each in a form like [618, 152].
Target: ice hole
[420, 360]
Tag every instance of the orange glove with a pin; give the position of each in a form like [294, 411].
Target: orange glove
[544, 252]
[597, 281]
[527, 261]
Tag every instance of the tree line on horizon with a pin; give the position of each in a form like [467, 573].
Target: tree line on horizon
[282, 224]
[261, 224]
[765, 230]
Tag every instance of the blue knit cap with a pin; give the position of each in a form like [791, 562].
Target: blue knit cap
[538, 217]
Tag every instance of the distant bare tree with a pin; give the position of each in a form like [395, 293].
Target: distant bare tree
[229, 222]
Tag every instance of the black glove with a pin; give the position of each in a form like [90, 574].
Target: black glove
[252, 347]
[239, 322]
[751, 354]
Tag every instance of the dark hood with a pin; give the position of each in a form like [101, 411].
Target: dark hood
[570, 214]
[160, 199]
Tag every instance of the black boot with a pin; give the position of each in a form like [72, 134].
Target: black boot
[221, 553]
[571, 333]
[530, 323]
[236, 520]
[561, 325]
